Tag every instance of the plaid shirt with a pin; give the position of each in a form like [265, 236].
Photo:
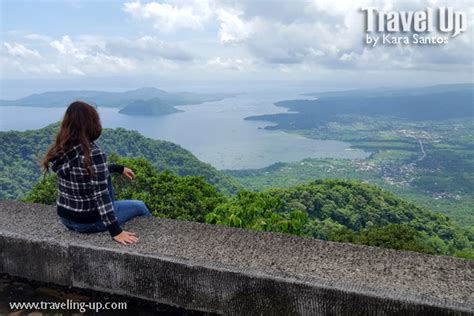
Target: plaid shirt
[85, 198]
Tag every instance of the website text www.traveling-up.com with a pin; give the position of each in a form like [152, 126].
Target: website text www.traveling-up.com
[68, 305]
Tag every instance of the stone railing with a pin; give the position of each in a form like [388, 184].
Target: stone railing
[233, 271]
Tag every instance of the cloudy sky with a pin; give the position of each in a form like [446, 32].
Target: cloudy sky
[52, 45]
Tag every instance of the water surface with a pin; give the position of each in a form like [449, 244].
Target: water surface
[215, 132]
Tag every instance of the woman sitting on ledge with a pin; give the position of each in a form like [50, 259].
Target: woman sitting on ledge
[86, 199]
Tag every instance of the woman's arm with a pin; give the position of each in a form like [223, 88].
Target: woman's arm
[101, 191]
[104, 202]
[114, 167]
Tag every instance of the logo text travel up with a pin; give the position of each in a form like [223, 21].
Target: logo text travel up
[391, 26]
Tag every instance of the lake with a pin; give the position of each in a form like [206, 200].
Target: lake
[215, 132]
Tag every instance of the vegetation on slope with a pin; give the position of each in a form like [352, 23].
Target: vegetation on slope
[21, 152]
[337, 210]
[439, 175]
[421, 140]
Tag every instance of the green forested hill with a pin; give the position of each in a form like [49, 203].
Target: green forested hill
[21, 151]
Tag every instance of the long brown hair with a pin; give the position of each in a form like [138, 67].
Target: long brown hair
[80, 125]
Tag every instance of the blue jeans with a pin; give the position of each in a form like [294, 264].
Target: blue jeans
[124, 211]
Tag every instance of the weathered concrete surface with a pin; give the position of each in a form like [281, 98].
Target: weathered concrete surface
[233, 271]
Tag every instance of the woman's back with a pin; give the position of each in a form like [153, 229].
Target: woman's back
[85, 195]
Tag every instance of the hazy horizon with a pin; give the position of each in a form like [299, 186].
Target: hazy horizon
[205, 87]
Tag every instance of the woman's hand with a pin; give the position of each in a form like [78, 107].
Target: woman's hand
[128, 173]
[126, 238]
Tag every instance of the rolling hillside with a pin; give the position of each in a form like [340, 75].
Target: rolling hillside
[21, 151]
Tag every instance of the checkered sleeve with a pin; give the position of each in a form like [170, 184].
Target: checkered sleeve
[101, 191]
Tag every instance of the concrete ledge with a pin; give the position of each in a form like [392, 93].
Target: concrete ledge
[233, 271]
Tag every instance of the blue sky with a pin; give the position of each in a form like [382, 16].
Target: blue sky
[74, 18]
[55, 45]
[56, 18]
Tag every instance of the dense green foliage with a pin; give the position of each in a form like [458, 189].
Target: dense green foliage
[44, 191]
[22, 151]
[258, 211]
[168, 195]
[337, 210]
[391, 236]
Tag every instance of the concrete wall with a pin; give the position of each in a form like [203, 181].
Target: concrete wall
[233, 271]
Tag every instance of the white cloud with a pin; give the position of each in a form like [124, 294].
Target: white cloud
[64, 57]
[89, 55]
[167, 17]
[232, 28]
[66, 47]
[19, 50]
[31, 68]
[86, 57]
[329, 34]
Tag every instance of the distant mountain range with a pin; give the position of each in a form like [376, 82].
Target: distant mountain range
[427, 103]
[148, 101]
